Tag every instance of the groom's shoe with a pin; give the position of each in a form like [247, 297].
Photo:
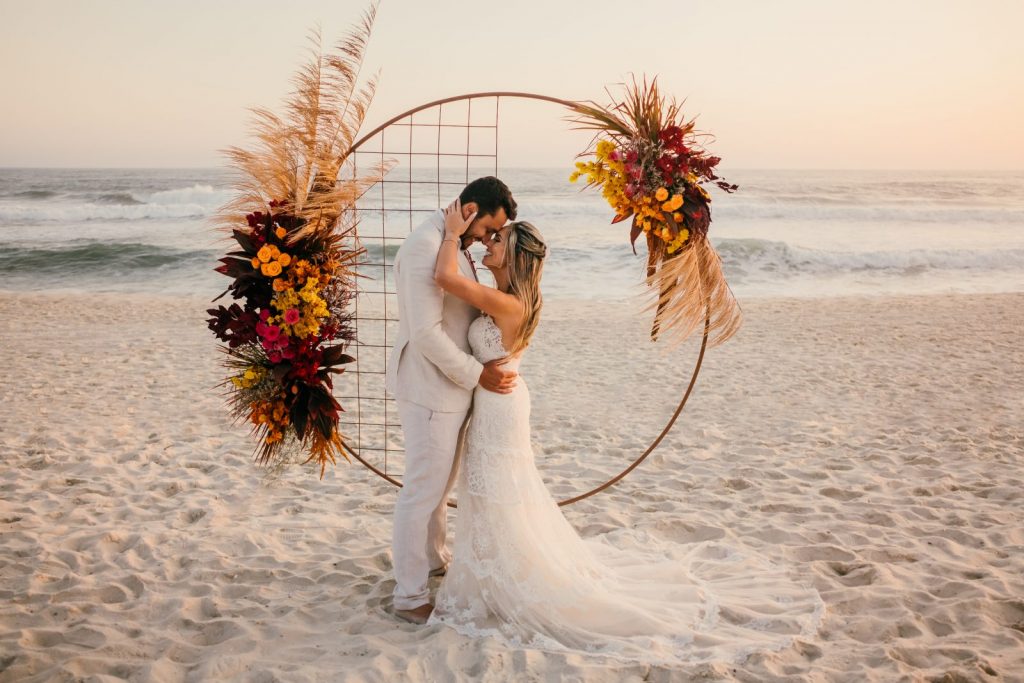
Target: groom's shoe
[440, 571]
[417, 615]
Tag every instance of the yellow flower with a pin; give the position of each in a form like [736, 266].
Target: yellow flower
[280, 284]
[274, 251]
[280, 232]
[661, 195]
[677, 216]
[677, 201]
[271, 269]
[255, 262]
[264, 254]
[284, 259]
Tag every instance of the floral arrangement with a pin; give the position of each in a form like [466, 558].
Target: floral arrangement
[293, 274]
[650, 167]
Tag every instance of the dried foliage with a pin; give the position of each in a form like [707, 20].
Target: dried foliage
[293, 271]
[650, 167]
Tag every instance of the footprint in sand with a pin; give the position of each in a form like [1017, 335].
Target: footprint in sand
[854, 573]
[839, 494]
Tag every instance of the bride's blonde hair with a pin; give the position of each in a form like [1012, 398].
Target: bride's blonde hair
[525, 251]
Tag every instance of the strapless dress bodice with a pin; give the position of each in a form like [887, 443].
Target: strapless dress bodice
[485, 342]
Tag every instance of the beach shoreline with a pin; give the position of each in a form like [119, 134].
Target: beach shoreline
[875, 444]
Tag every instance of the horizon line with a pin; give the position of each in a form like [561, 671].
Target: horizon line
[735, 168]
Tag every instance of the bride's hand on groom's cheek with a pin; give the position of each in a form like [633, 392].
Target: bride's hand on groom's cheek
[454, 224]
[494, 378]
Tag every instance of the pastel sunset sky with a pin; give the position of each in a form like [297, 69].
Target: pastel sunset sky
[913, 84]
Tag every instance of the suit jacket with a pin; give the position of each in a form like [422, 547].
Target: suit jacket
[431, 363]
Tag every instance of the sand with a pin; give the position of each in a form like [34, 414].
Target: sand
[875, 444]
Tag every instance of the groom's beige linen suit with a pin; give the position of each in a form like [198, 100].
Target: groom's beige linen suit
[431, 374]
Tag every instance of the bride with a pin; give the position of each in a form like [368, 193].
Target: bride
[522, 574]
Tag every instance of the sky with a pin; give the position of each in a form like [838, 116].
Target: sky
[913, 84]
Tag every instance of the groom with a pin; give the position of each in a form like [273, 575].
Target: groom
[431, 375]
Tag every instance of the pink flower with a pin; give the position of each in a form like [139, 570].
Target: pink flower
[265, 314]
[288, 353]
[291, 316]
[272, 332]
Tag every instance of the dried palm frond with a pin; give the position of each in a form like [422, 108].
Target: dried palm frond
[690, 288]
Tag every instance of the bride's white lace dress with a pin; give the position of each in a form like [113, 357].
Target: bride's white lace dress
[521, 573]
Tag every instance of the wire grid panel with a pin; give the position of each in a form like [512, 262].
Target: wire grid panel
[434, 153]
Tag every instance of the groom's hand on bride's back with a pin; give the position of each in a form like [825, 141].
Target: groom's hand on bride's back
[496, 379]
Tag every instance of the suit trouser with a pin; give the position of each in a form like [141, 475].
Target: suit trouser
[418, 542]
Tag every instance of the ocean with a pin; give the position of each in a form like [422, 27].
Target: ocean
[783, 233]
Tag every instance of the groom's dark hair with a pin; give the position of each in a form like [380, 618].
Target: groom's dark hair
[490, 194]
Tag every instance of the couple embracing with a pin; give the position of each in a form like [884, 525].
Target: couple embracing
[518, 571]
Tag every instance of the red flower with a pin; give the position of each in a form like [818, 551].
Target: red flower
[667, 135]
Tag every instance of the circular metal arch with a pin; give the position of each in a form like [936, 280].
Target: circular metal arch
[707, 318]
